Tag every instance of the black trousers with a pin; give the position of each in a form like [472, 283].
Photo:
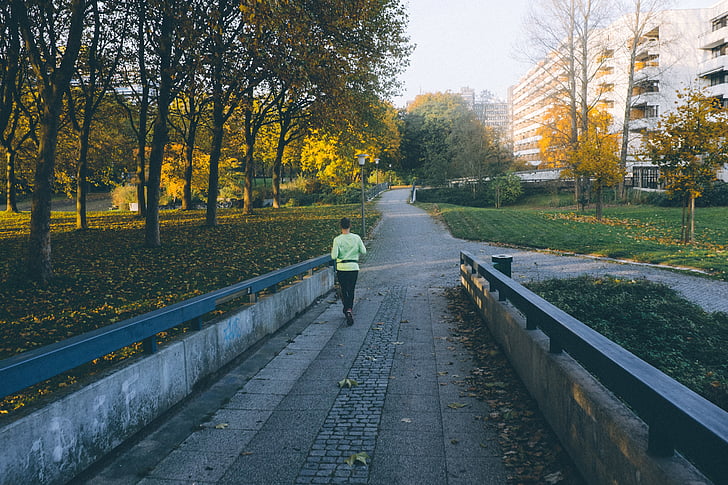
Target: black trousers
[347, 283]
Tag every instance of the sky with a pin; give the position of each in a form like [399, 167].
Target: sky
[470, 43]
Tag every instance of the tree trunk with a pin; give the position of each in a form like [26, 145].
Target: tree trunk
[189, 154]
[248, 185]
[82, 175]
[598, 202]
[691, 233]
[159, 137]
[213, 186]
[143, 114]
[40, 267]
[637, 33]
[276, 172]
[10, 199]
[54, 80]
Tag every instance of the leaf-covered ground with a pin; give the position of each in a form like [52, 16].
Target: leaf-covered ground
[105, 274]
[654, 323]
[531, 452]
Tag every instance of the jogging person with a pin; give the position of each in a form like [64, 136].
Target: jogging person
[345, 251]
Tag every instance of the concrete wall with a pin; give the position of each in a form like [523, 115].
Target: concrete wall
[607, 442]
[53, 444]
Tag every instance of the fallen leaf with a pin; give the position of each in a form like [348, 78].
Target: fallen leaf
[348, 383]
[221, 426]
[361, 457]
[406, 420]
[553, 478]
[456, 405]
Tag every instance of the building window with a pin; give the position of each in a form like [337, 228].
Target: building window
[646, 177]
[720, 23]
[652, 111]
[716, 78]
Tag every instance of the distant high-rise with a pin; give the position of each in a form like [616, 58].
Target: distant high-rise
[492, 111]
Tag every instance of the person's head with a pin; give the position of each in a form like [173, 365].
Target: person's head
[345, 223]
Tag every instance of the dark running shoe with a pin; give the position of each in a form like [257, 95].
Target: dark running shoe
[349, 317]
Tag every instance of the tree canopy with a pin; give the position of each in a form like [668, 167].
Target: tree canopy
[443, 139]
[689, 146]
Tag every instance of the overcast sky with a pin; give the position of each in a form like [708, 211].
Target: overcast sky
[470, 43]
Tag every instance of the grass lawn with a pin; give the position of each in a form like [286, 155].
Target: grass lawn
[105, 274]
[641, 233]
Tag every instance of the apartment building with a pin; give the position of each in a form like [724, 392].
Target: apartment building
[493, 112]
[713, 68]
[669, 58]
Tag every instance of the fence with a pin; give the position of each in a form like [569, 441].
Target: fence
[677, 418]
[32, 367]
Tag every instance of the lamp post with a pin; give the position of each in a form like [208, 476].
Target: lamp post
[361, 159]
[376, 162]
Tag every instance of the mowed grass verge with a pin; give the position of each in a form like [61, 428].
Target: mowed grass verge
[105, 274]
[642, 233]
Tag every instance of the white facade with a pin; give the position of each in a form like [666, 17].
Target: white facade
[681, 49]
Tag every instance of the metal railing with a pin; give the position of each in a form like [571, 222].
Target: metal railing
[375, 190]
[677, 417]
[29, 368]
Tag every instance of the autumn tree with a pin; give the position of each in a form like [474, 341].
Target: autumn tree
[11, 81]
[690, 145]
[170, 41]
[51, 32]
[596, 158]
[564, 41]
[95, 76]
[135, 74]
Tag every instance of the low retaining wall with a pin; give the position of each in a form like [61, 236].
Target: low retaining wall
[607, 442]
[55, 443]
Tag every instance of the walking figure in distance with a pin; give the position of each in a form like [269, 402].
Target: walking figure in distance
[345, 251]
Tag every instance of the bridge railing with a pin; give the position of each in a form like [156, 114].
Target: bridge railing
[677, 418]
[29, 368]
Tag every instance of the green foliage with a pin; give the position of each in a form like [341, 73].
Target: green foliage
[655, 324]
[646, 234]
[506, 189]
[502, 190]
[105, 275]
[443, 139]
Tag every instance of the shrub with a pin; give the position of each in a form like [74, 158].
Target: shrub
[123, 195]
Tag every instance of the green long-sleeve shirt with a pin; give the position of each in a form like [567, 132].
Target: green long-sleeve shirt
[347, 247]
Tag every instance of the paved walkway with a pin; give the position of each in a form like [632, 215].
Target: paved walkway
[279, 416]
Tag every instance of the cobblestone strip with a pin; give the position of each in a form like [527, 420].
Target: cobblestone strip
[352, 423]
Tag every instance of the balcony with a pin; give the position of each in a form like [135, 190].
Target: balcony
[646, 98]
[713, 39]
[718, 91]
[643, 124]
[713, 65]
[647, 72]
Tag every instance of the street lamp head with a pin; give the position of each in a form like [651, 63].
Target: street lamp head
[361, 158]
[376, 160]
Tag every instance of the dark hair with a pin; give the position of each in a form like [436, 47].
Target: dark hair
[345, 223]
